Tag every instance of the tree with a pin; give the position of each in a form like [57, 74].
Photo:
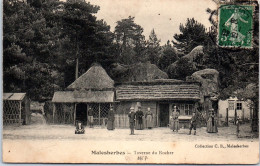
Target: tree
[88, 40]
[26, 46]
[192, 35]
[40, 44]
[168, 56]
[153, 48]
[130, 41]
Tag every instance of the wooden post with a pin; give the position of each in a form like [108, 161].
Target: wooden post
[53, 112]
[74, 116]
[170, 113]
[20, 112]
[251, 114]
[243, 114]
[235, 120]
[87, 115]
[99, 114]
[64, 114]
[227, 116]
[157, 115]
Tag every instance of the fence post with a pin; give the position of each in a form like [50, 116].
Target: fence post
[235, 120]
[227, 116]
[243, 114]
[53, 112]
[99, 114]
[74, 116]
[20, 112]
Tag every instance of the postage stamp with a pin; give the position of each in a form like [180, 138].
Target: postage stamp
[235, 26]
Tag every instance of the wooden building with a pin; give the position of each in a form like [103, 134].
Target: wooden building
[16, 109]
[161, 96]
[93, 89]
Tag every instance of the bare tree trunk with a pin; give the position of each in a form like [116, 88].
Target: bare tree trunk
[77, 59]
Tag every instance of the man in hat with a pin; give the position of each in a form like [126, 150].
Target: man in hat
[111, 119]
[131, 116]
[139, 117]
[90, 117]
[193, 122]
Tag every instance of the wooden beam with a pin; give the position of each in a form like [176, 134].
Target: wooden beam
[74, 118]
[157, 114]
[20, 112]
[99, 113]
[64, 114]
[53, 112]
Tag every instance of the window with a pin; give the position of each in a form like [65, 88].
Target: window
[188, 109]
[239, 106]
[231, 105]
[185, 109]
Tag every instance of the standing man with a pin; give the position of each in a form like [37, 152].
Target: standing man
[193, 122]
[111, 119]
[139, 116]
[90, 117]
[131, 116]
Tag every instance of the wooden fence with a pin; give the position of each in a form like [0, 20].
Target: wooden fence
[121, 121]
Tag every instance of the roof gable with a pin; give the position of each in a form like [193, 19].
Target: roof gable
[95, 78]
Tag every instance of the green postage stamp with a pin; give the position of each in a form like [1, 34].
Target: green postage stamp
[235, 28]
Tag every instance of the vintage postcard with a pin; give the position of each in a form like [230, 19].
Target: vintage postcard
[130, 81]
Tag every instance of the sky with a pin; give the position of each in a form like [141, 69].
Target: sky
[164, 16]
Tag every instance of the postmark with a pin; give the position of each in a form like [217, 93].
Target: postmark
[235, 26]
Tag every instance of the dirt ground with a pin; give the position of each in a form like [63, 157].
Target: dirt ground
[66, 132]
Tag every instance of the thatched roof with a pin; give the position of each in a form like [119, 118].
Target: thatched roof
[155, 92]
[83, 96]
[96, 78]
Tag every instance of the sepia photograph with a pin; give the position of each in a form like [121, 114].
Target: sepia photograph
[130, 81]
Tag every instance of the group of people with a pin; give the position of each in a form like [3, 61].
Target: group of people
[175, 121]
[138, 116]
[211, 123]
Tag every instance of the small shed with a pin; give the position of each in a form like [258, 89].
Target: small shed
[93, 89]
[16, 109]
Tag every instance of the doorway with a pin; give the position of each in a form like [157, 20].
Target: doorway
[81, 113]
[164, 114]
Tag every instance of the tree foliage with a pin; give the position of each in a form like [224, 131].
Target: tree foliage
[192, 34]
[167, 57]
[153, 48]
[130, 41]
[42, 40]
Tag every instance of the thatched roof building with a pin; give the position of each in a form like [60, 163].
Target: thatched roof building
[94, 86]
[93, 89]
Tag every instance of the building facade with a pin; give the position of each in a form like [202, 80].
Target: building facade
[231, 104]
[97, 90]
[160, 96]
